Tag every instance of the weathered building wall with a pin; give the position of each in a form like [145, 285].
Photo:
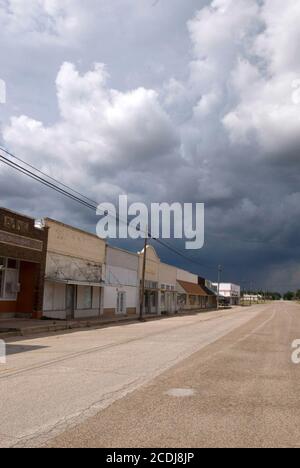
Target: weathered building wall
[22, 241]
[168, 296]
[74, 273]
[122, 278]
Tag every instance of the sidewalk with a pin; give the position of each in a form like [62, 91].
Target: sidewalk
[26, 327]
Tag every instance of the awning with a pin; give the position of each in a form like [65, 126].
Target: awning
[76, 282]
[209, 291]
[191, 288]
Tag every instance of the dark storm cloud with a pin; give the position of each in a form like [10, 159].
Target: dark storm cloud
[194, 103]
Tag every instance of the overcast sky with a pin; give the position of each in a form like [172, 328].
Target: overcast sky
[165, 100]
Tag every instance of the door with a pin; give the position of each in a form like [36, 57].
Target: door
[121, 303]
[70, 301]
[153, 303]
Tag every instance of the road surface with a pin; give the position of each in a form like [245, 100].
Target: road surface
[218, 379]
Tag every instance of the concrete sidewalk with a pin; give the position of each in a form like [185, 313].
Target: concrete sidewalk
[27, 327]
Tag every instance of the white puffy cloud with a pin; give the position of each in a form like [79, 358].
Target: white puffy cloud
[209, 114]
[100, 130]
[42, 20]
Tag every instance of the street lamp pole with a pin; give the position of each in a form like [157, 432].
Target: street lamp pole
[142, 298]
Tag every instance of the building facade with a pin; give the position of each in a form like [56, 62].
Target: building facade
[212, 296]
[168, 293]
[121, 291]
[190, 295]
[152, 286]
[23, 247]
[230, 293]
[75, 273]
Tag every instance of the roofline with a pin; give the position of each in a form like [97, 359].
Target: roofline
[68, 226]
[18, 214]
[122, 250]
[187, 271]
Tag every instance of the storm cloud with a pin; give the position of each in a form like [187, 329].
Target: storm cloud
[164, 101]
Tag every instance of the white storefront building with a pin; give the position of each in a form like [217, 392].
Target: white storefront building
[231, 292]
[121, 291]
[74, 277]
[167, 283]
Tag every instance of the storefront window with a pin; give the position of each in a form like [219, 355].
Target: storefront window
[12, 264]
[88, 297]
[121, 303]
[181, 300]
[193, 300]
[1, 276]
[84, 297]
[9, 278]
[163, 299]
[153, 299]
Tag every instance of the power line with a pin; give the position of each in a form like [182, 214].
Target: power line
[44, 182]
[75, 196]
[46, 175]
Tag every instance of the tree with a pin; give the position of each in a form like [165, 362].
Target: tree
[297, 295]
[289, 296]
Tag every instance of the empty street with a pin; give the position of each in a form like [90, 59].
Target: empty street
[222, 378]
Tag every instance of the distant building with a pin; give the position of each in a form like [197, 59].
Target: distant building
[252, 298]
[230, 292]
[212, 296]
[191, 296]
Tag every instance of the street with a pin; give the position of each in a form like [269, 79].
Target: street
[219, 379]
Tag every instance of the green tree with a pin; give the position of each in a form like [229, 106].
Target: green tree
[297, 295]
[289, 296]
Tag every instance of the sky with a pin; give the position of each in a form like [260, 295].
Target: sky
[166, 101]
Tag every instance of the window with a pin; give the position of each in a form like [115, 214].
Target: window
[193, 300]
[9, 279]
[163, 299]
[88, 297]
[84, 298]
[11, 284]
[121, 303]
[12, 264]
[181, 299]
[153, 299]
[1, 279]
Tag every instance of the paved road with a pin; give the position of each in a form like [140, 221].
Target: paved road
[118, 386]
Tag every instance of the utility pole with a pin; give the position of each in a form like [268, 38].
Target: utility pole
[219, 281]
[143, 280]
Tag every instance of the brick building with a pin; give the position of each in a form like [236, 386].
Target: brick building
[23, 248]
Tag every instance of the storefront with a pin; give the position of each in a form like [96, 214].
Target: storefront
[152, 293]
[212, 296]
[74, 278]
[190, 295]
[121, 291]
[23, 248]
[168, 295]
